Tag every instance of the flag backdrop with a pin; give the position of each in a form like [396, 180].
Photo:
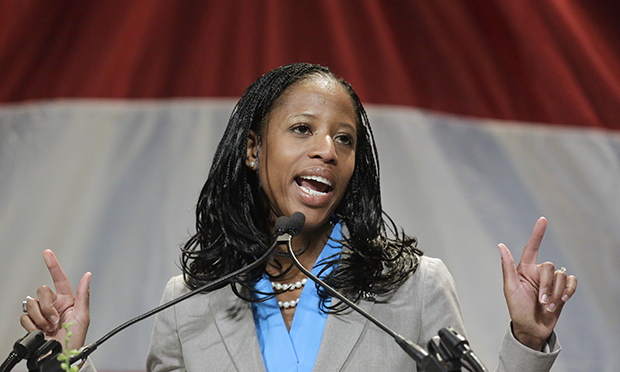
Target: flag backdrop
[487, 115]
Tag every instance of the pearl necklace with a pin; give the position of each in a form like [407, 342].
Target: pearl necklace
[287, 304]
[288, 287]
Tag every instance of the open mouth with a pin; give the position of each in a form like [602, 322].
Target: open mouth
[314, 185]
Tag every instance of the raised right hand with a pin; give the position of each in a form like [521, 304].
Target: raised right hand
[50, 310]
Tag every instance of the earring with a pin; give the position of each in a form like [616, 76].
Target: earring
[252, 164]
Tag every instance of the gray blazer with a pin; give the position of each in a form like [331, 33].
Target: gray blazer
[216, 331]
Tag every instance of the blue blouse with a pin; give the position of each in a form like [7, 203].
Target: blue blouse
[297, 350]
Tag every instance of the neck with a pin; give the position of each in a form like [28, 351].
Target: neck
[310, 245]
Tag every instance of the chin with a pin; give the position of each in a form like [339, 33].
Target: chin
[315, 219]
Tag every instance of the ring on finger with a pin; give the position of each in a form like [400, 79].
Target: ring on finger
[561, 270]
[24, 303]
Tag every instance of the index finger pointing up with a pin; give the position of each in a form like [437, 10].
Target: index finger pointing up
[530, 253]
[61, 282]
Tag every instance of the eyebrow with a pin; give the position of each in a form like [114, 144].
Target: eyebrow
[307, 115]
[303, 114]
[353, 127]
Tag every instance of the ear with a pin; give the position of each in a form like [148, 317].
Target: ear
[252, 150]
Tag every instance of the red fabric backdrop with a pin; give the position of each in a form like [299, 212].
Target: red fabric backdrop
[551, 61]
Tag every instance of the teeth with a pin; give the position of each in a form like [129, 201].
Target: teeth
[318, 179]
[312, 192]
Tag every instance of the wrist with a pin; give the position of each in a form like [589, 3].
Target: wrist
[527, 339]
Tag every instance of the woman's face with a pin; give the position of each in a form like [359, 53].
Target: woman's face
[307, 154]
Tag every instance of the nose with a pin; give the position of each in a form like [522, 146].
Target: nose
[323, 148]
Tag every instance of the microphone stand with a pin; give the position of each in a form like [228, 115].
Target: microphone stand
[42, 355]
[23, 347]
[442, 359]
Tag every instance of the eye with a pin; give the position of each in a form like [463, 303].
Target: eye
[345, 139]
[302, 129]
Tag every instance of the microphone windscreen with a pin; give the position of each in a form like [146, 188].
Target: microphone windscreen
[281, 225]
[295, 223]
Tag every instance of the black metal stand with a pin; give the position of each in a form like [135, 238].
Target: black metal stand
[42, 355]
[45, 358]
[453, 351]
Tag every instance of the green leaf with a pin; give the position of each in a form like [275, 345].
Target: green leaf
[67, 353]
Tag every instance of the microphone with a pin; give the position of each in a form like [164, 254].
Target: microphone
[281, 226]
[296, 223]
[290, 227]
[458, 346]
[22, 348]
[285, 228]
[426, 361]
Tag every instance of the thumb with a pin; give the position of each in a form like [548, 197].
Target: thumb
[81, 313]
[82, 298]
[509, 271]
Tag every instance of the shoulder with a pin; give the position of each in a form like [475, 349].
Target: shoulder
[175, 287]
[432, 266]
[431, 272]
[200, 304]
[431, 278]
[424, 303]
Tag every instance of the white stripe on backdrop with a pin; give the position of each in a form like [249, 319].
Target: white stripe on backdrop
[110, 186]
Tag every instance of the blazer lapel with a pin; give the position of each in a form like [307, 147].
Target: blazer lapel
[339, 337]
[235, 323]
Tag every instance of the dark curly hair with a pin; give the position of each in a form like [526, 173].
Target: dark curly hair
[232, 215]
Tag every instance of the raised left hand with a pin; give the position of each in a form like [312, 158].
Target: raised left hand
[535, 293]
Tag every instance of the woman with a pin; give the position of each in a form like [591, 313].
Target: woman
[299, 140]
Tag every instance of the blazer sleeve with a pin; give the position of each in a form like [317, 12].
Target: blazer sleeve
[514, 356]
[88, 366]
[165, 352]
[441, 309]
